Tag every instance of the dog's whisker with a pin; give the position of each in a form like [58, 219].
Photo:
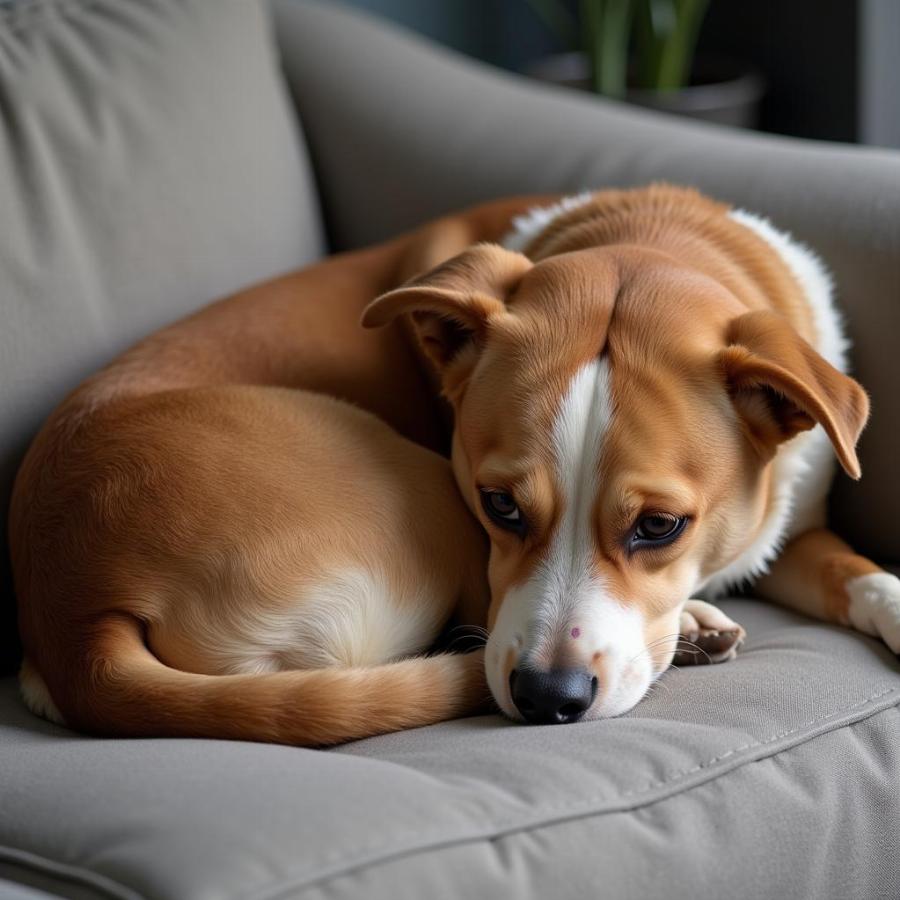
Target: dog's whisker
[665, 637]
[473, 641]
[697, 649]
[475, 629]
[654, 645]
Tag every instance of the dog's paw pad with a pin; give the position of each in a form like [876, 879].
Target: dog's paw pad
[707, 635]
[875, 606]
[707, 647]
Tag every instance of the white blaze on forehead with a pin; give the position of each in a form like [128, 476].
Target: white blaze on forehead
[537, 617]
[565, 579]
[581, 424]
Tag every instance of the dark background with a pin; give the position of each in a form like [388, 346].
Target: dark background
[832, 66]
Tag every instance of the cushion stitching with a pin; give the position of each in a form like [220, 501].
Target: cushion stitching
[575, 809]
[48, 865]
[675, 776]
[318, 882]
[67, 872]
[775, 737]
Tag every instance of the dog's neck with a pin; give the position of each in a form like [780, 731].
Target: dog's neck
[691, 229]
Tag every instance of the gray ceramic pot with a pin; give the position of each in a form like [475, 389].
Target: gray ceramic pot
[721, 91]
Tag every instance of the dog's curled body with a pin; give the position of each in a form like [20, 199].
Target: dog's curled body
[202, 548]
[344, 552]
[243, 527]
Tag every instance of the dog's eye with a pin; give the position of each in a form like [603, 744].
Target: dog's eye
[502, 509]
[657, 529]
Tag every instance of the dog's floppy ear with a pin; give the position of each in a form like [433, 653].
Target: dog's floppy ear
[451, 305]
[780, 386]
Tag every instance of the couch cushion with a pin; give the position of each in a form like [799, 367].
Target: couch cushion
[149, 162]
[776, 775]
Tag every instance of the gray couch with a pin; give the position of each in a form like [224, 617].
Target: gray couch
[153, 156]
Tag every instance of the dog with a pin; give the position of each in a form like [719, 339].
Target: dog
[567, 421]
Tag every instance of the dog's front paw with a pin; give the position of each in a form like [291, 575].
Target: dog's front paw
[875, 606]
[707, 635]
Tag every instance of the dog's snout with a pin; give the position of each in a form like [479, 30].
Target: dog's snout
[555, 697]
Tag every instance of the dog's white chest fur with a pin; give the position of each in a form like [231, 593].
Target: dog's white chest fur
[804, 467]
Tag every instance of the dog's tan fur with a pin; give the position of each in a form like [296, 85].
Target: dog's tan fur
[184, 473]
[207, 488]
[684, 301]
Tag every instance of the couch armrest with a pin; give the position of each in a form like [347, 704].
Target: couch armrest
[402, 131]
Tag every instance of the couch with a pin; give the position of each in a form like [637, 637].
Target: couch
[156, 154]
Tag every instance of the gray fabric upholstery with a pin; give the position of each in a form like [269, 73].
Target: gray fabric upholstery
[446, 133]
[774, 776]
[149, 163]
[11, 891]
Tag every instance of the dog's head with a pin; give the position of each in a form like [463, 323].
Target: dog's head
[616, 416]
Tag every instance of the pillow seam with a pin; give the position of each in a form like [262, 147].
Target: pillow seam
[501, 827]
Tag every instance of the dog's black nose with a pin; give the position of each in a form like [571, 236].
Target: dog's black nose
[552, 698]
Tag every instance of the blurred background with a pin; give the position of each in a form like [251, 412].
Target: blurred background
[827, 69]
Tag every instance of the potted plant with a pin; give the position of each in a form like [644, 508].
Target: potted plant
[643, 51]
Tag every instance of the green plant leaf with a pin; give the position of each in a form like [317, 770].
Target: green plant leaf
[607, 25]
[679, 47]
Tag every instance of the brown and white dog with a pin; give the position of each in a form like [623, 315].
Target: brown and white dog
[242, 529]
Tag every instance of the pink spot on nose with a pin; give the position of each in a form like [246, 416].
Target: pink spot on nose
[576, 632]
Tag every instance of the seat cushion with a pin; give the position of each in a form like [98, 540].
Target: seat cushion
[776, 775]
[149, 163]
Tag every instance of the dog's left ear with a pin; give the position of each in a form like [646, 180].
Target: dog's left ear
[780, 386]
[452, 305]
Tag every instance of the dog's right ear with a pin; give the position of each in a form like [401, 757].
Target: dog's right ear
[451, 306]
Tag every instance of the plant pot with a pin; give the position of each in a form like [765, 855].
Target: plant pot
[720, 90]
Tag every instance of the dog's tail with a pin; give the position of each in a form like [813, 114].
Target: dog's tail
[119, 688]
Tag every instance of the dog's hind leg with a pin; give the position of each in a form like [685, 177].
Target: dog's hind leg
[264, 564]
